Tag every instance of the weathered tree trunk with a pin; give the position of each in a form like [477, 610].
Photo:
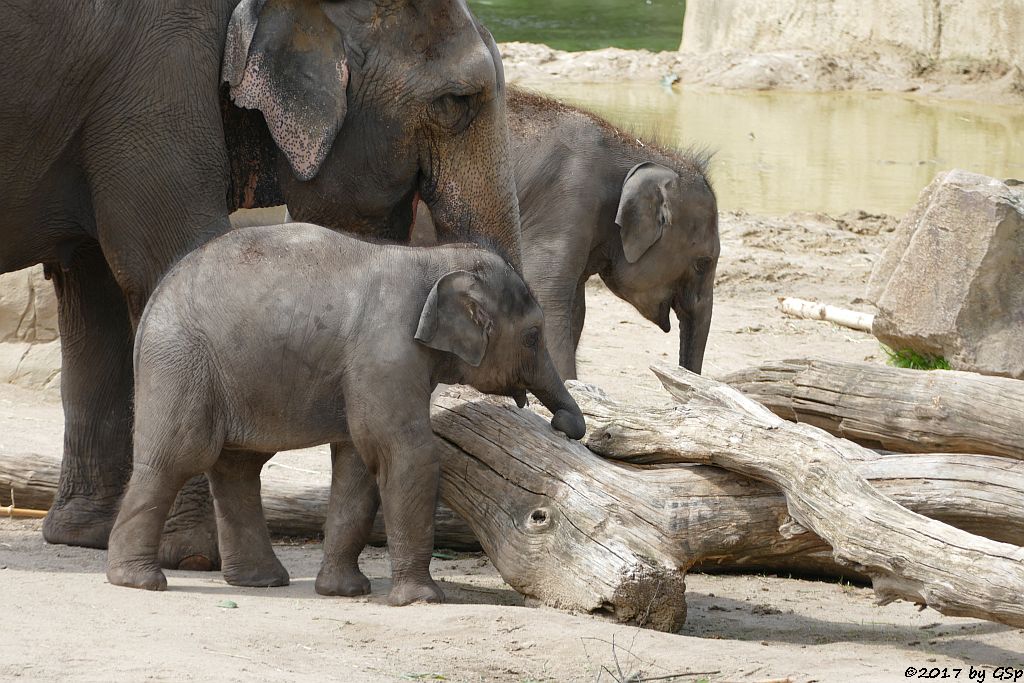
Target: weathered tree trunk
[894, 409]
[570, 531]
[907, 556]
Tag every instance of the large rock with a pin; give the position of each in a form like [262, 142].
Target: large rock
[29, 345]
[28, 307]
[951, 282]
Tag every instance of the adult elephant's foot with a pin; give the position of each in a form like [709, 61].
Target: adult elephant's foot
[408, 592]
[190, 549]
[267, 574]
[348, 582]
[189, 540]
[81, 521]
[136, 575]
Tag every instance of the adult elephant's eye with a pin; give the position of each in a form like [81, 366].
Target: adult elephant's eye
[454, 113]
[531, 337]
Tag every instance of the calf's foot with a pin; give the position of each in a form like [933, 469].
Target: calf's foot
[267, 573]
[136, 575]
[408, 592]
[345, 581]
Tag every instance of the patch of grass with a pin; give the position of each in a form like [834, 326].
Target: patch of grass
[907, 358]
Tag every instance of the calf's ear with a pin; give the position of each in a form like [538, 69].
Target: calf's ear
[644, 210]
[454, 318]
[287, 59]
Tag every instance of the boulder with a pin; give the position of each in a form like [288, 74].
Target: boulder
[951, 282]
[29, 345]
[28, 307]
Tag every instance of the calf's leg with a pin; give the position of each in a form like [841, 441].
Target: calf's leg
[247, 556]
[350, 514]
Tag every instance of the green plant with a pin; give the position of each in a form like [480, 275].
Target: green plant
[908, 358]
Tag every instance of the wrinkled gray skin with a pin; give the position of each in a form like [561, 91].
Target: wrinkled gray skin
[595, 201]
[130, 129]
[282, 337]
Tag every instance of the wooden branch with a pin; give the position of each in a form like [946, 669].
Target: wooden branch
[11, 511]
[907, 556]
[812, 310]
[892, 408]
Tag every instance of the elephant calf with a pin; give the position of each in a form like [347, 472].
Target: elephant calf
[594, 199]
[282, 337]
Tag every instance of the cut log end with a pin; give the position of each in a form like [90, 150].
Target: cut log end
[651, 597]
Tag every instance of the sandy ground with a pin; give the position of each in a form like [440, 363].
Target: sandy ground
[889, 70]
[63, 621]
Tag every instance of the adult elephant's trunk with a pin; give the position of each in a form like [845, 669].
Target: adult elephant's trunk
[549, 388]
[693, 313]
[467, 178]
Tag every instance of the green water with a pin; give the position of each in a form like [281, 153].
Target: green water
[834, 152]
[585, 24]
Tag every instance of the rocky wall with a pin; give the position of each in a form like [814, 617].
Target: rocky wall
[982, 30]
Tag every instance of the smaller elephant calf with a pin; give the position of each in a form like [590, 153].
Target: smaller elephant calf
[597, 200]
[281, 337]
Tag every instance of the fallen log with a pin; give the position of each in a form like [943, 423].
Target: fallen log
[571, 531]
[295, 504]
[892, 408]
[907, 556]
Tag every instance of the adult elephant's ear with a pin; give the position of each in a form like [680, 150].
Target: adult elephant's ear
[454, 318]
[286, 58]
[644, 209]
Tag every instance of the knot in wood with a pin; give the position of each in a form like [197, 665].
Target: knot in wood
[540, 519]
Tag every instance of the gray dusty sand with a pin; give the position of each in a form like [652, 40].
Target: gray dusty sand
[63, 621]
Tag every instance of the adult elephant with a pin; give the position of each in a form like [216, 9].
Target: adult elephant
[129, 129]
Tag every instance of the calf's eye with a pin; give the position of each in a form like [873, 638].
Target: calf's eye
[531, 337]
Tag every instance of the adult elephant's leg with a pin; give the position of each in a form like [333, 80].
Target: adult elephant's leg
[96, 390]
[190, 535]
[350, 514]
[157, 170]
[248, 557]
